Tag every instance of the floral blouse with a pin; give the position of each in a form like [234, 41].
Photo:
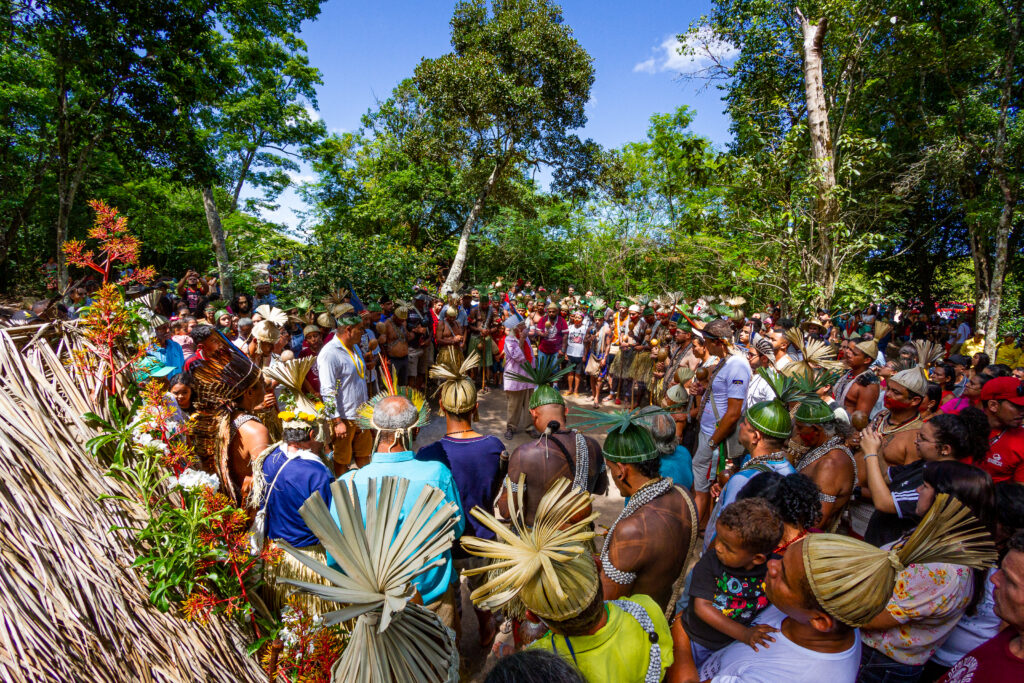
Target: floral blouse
[928, 601]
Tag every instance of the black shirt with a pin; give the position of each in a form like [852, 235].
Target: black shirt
[886, 527]
[736, 593]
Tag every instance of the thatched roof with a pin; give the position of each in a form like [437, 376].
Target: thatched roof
[71, 607]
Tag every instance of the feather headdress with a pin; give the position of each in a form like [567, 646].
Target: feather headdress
[392, 639]
[853, 581]
[816, 354]
[629, 437]
[457, 390]
[544, 374]
[547, 565]
[224, 374]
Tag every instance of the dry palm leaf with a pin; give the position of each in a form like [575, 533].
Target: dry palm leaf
[292, 374]
[547, 565]
[928, 353]
[854, 581]
[882, 328]
[274, 315]
[334, 298]
[816, 354]
[392, 640]
[457, 390]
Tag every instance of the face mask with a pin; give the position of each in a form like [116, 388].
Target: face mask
[894, 404]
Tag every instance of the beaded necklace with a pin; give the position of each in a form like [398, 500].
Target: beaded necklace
[645, 494]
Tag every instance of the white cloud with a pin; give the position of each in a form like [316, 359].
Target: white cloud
[297, 177]
[313, 114]
[648, 66]
[700, 51]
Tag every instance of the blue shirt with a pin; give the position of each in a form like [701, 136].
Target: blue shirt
[299, 480]
[171, 355]
[476, 467]
[735, 485]
[433, 583]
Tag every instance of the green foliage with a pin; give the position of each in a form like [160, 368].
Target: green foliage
[373, 265]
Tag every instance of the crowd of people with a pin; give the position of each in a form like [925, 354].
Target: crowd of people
[837, 498]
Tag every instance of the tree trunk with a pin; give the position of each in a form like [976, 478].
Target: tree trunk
[246, 163]
[219, 244]
[826, 210]
[455, 273]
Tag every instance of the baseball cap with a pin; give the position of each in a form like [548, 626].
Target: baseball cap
[1004, 389]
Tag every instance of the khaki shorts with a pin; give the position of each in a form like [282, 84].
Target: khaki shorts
[446, 607]
[414, 361]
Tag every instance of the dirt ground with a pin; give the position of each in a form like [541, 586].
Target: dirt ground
[476, 661]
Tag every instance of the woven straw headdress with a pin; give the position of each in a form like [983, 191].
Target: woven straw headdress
[548, 566]
[457, 390]
[816, 354]
[853, 581]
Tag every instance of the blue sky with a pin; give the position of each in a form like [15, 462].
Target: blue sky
[365, 49]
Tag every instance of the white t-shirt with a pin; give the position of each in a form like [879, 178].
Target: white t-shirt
[730, 382]
[759, 390]
[963, 333]
[574, 345]
[782, 660]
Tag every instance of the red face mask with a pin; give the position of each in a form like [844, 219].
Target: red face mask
[894, 404]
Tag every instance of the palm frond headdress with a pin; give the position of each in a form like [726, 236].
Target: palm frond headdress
[544, 374]
[853, 581]
[547, 565]
[816, 354]
[629, 438]
[457, 390]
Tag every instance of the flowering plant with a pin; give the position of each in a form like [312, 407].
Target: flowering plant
[310, 648]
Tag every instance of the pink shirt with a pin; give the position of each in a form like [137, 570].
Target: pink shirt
[515, 359]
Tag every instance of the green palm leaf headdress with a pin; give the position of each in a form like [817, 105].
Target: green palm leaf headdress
[812, 409]
[629, 437]
[544, 374]
[772, 417]
[392, 639]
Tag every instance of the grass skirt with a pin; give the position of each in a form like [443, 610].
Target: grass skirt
[450, 354]
[622, 363]
[290, 568]
[642, 368]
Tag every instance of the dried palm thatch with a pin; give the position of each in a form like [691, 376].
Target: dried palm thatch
[816, 354]
[392, 639]
[71, 607]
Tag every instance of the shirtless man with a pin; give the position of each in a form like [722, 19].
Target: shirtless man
[858, 389]
[249, 438]
[829, 463]
[646, 550]
[555, 454]
[900, 422]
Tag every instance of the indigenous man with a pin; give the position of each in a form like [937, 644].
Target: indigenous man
[394, 416]
[858, 389]
[395, 340]
[558, 452]
[476, 462]
[546, 568]
[342, 371]
[644, 549]
[829, 463]
[762, 434]
[623, 363]
[229, 387]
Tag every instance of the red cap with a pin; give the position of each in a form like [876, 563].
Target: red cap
[1003, 389]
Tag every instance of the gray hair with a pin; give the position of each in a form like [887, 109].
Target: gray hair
[663, 429]
[243, 322]
[394, 413]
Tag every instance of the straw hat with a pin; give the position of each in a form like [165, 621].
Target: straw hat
[853, 581]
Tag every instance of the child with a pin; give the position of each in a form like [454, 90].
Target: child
[179, 333]
[726, 591]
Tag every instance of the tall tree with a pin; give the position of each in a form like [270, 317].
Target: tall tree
[515, 84]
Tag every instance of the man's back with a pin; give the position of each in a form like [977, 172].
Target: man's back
[543, 461]
[433, 583]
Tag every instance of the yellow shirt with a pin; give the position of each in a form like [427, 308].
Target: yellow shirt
[1008, 354]
[620, 651]
[971, 347]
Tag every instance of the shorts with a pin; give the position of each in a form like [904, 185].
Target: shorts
[576, 364]
[702, 462]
